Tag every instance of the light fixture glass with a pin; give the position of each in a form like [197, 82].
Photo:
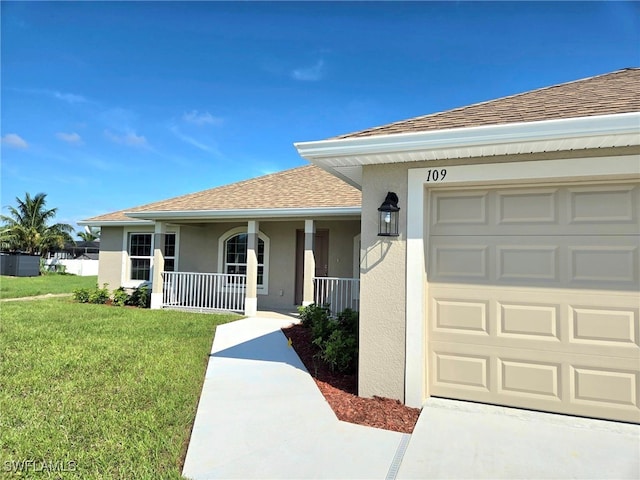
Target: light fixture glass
[388, 216]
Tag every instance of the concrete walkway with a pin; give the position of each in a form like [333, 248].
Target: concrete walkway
[262, 416]
[36, 297]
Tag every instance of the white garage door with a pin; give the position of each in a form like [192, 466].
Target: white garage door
[534, 298]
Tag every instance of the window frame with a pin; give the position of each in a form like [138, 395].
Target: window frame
[126, 280]
[222, 255]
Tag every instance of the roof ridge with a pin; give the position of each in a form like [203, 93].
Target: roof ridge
[484, 102]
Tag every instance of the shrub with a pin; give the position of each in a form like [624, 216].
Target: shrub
[141, 297]
[311, 313]
[340, 351]
[99, 295]
[81, 295]
[348, 320]
[120, 297]
[337, 338]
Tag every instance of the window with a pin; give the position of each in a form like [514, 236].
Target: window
[141, 254]
[236, 256]
[169, 252]
[233, 255]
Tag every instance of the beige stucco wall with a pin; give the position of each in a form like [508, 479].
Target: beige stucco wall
[382, 276]
[110, 260]
[383, 272]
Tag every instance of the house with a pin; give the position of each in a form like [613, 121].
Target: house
[514, 278]
[254, 244]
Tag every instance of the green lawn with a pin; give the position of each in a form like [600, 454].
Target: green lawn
[100, 392]
[14, 287]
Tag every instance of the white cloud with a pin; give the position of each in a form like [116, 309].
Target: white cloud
[195, 143]
[14, 140]
[200, 119]
[130, 139]
[72, 138]
[69, 97]
[309, 74]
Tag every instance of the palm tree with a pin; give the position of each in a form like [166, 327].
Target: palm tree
[90, 234]
[26, 229]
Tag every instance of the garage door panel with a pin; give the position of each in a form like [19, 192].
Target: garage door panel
[517, 376]
[561, 210]
[600, 386]
[604, 387]
[539, 206]
[526, 320]
[594, 323]
[462, 315]
[527, 263]
[462, 261]
[603, 262]
[603, 205]
[461, 371]
[460, 209]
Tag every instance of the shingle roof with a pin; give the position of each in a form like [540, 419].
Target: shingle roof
[302, 187]
[610, 93]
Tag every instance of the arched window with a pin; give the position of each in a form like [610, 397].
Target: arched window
[233, 255]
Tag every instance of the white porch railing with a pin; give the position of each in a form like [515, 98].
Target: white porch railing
[203, 291]
[338, 293]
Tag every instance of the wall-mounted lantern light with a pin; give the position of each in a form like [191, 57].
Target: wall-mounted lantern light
[388, 216]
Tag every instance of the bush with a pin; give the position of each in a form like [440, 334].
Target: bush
[141, 297]
[99, 295]
[310, 314]
[337, 338]
[120, 297]
[348, 320]
[340, 351]
[81, 295]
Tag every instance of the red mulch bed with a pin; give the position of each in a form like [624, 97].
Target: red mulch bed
[340, 390]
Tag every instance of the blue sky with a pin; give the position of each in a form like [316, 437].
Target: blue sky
[108, 105]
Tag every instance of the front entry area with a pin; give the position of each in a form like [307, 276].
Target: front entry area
[532, 297]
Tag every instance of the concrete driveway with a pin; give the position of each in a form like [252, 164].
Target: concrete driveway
[261, 416]
[466, 440]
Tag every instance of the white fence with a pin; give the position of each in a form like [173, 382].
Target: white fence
[81, 266]
[204, 291]
[337, 293]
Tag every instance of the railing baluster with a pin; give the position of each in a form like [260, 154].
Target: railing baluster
[339, 293]
[204, 291]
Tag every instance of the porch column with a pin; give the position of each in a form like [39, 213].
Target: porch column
[309, 263]
[158, 264]
[251, 295]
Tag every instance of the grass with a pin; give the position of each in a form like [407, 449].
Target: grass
[99, 392]
[15, 287]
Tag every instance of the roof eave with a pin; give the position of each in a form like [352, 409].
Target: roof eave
[113, 223]
[347, 156]
[266, 213]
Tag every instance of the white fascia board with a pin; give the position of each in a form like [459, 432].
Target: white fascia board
[525, 132]
[118, 223]
[247, 213]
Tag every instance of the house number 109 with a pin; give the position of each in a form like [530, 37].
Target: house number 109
[436, 175]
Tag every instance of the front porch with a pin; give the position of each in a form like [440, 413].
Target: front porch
[265, 265]
[213, 292]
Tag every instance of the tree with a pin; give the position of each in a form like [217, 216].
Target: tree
[90, 234]
[26, 227]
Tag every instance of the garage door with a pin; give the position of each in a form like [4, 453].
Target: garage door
[534, 297]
